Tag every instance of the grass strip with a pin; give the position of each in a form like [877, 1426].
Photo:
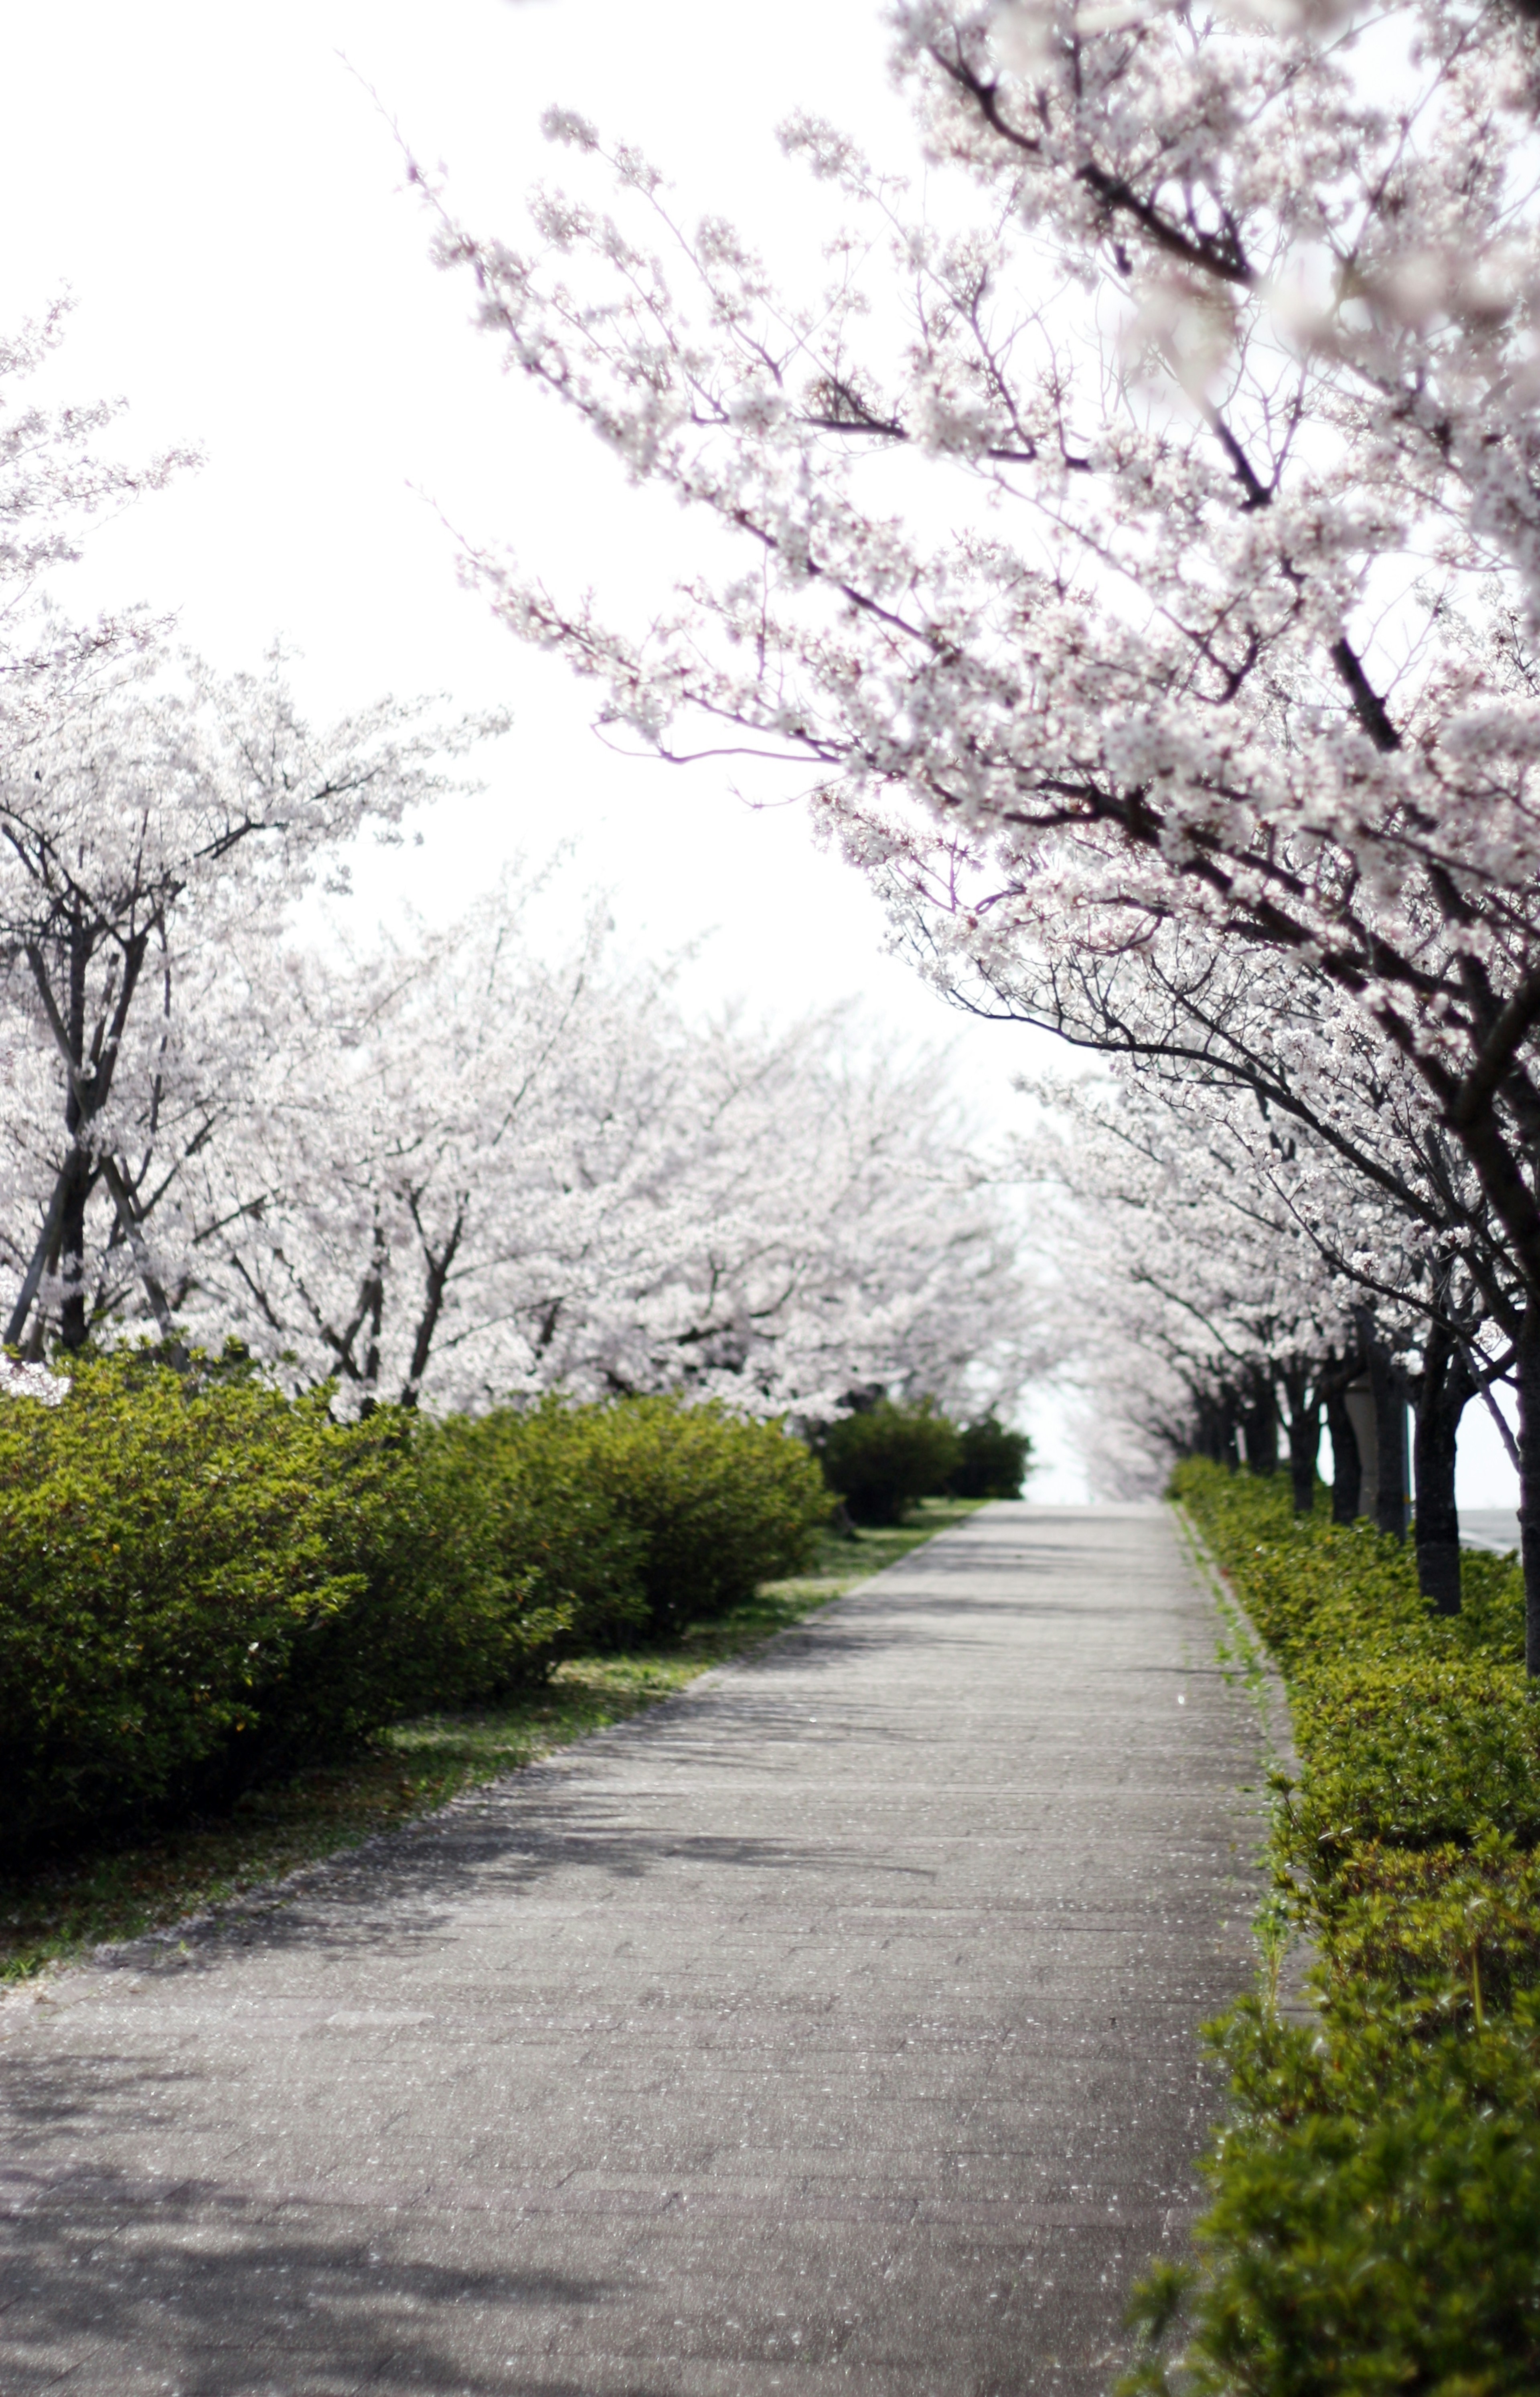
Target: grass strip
[58, 1912]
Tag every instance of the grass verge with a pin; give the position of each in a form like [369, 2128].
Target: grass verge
[58, 1912]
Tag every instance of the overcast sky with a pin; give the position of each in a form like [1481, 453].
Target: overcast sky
[221, 190]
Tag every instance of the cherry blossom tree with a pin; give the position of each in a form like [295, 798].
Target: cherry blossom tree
[154, 837]
[1219, 346]
[1299, 1110]
[1170, 1245]
[478, 1173]
[153, 819]
[1265, 1281]
[445, 1167]
[55, 482]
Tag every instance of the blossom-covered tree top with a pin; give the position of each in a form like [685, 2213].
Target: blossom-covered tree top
[1222, 344]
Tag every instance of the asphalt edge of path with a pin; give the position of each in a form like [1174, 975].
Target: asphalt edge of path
[1246, 1648]
[267, 1896]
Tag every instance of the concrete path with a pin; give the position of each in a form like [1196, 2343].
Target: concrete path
[830, 2029]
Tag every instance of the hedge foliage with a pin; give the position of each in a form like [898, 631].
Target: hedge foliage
[993, 1461]
[207, 1584]
[882, 1458]
[1375, 2215]
[646, 1515]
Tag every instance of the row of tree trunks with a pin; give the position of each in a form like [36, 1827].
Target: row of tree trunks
[1364, 1402]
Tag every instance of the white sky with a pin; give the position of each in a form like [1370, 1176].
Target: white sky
[221, 193]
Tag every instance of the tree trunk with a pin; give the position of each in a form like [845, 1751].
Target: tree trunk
[1303, 1438]
[374, 1300]
[1210, 1441]
[1260, 1425]
[1443, 1391]
[435, 1284]
[1391, 1510]
[1528, 1478]
[1346, 1463]
[72, 1252]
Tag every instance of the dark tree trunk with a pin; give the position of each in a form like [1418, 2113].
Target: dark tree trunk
[1303, 1438]
[1346, 1463]
[435, 1284]
[374, 1304]
[1210, 1438]
[72, 1252]
[1528, 1478]
[1226, 1451]
[1260, 1425]
[1443, 1390]
[1392, 1510]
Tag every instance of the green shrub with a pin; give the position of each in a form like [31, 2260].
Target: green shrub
[1455, 1928]
[722, 1504]
[523, 1483]
[994, 1461]
[1375, 2224]
[1415, 1751]
[647, 1512]
[1312, 1587]
[205, 1582]
[884, 1457]
[1376, 2218]
[1491, 1621]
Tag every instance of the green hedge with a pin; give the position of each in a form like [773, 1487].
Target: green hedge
[207, 1584]
[993, 1461]
[1375, 2215]
[1376, 2222]
[204, 1582]
[884, 1457]
[646, 1515]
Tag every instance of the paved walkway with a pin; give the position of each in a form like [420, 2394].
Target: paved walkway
[830, 2029]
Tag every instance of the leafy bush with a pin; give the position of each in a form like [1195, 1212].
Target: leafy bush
[648, 1512]
[993, 1461]
[1376, 2222]
[882, 1458]
[721, 1504]
[1491, 1621]
[523, 1482]
[1457, 1928]
[205, 1582]
[1375, 2218]
[1413, 1751]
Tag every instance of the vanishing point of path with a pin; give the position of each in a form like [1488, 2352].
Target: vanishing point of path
[830, 2029]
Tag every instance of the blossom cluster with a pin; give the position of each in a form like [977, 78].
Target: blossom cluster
[1138, 549]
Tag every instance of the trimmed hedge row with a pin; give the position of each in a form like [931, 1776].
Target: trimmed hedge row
[207, 1584]
[884, 1457]
[1375, 2222]
[645, 1515]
